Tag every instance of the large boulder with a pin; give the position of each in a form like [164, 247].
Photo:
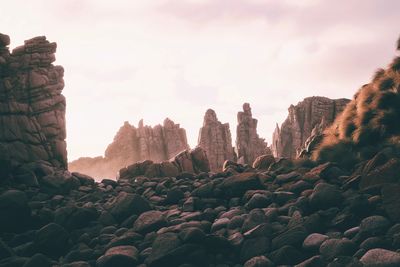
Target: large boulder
[374, 225]
[162, 246]
[52, 240]
[386, 173]
[121, 256]
[59, 183]
[325, 196]
[238, 184]
[168, 169]
[391, 201]
[127, 204]
[379, 257]
[200, 160]
[4, 40]
[191, 161]
[15, 212]
[333, 248]
[263, 162]
[149, 221]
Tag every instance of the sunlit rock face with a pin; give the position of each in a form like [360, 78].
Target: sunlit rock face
[132, 144]
[215, 138]
[248, 144]
[32, 108]
[311, 113]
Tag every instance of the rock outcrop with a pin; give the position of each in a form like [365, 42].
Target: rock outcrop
[215, 138]
[248, 144]
[309, 114]
[131, 144]
[32, 108]
[189, 162]
[157, 143]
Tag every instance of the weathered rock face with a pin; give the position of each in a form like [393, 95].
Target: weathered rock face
[248, 144]
[132, 145]
[145, 142]
[32, 108]
[124, 146]
[215, 138]
[302, 119]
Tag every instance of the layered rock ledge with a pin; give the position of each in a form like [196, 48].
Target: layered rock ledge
[309, 117]
[248, 144]
[32, 108]
[134, 144]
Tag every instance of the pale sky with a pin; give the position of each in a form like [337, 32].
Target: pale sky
[125, 60]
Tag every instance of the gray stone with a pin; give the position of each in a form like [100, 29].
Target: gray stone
[149, 221]
[121, 256]
[380, 258]
[314, 241]
[333, 248]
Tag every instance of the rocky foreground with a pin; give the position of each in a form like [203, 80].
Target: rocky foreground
[284, 213]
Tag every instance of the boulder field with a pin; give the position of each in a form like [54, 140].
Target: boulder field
[283, 213]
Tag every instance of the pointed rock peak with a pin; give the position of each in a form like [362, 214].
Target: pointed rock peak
[247, 108]
[140, 123]
[126, 127]
[168, 122]
[210, 117]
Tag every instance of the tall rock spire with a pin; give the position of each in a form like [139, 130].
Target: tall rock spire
[248, 144]
[32, 108]
[215, 138]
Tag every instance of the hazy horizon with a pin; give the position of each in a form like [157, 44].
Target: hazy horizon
[126, 61]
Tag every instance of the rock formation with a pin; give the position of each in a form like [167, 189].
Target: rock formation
[132, 145]
[288, 139]
[248, 144]
[32, 108]
[188, 161]
[215, 138]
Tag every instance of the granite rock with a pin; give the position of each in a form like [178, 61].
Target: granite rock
[306, 117]
[31, 104]
[215, 138]
[248, 144]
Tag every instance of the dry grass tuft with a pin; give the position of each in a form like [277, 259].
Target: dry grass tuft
[368, 123]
